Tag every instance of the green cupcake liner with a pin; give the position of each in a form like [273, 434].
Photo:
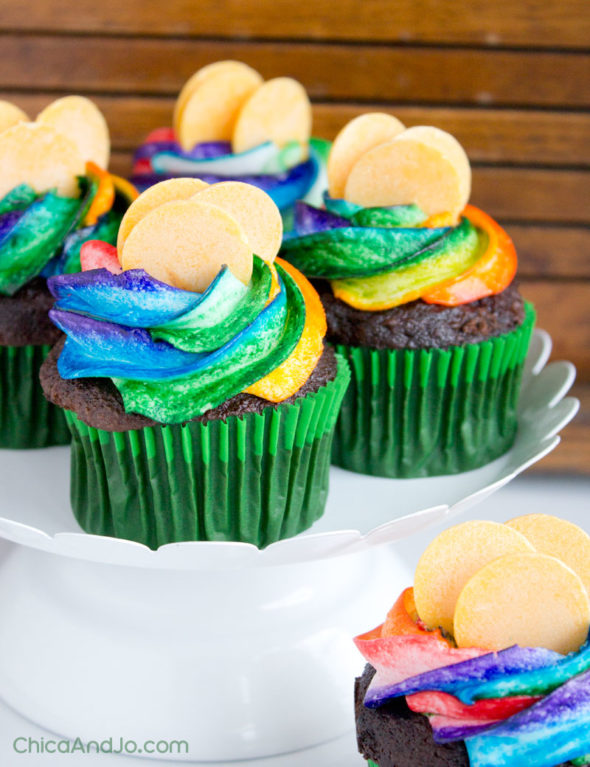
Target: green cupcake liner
[256, 479]
[421, 413]
[27, 419]
[371, 763]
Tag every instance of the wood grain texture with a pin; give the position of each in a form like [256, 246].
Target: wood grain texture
[532, 137]
[510, 79]
[562, 310]
[508, 194]
[545, 251]
[516, 194]
[373, 73]
[470, 22]
[572, 455]
[491, 135]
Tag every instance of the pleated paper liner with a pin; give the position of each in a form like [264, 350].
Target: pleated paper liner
[257, 478]
[422, 413]
[27, 419]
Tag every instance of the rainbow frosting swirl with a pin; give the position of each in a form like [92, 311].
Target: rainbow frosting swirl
[379, 258]
[41, 234]
[174, 354]
[513, 707]
[284, 174]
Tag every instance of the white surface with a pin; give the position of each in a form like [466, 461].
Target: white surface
[568, 497]
[338, 753]
[362, 512]
[251, 663]
[220, 644]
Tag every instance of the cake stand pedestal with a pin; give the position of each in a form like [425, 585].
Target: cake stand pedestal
[239, 652]
[239, 664]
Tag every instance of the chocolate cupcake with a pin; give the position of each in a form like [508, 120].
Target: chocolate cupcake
[196, 384]
[53, 197]
[509, 684]
[419, 295]
[229, 124]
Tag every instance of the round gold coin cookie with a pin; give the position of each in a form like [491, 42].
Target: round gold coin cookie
[82, 122]
[185, 243]
[452, 559]
[152, 198]
[559, 538]
[279, 110]
[254, 211]
[527, 599]
[423, 166]
[35, 154]
[357, 137]
[212, 108]
[199, 77]
[10, 115]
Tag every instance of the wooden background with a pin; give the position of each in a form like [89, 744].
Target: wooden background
[510, 78]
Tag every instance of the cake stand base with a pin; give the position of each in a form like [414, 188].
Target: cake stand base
[240, 664]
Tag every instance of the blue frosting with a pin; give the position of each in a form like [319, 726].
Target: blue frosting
[532, 682]
[98, 347]
[133, 297]
[554, 730]
[279, 173]
[458, 677]
[173, 354]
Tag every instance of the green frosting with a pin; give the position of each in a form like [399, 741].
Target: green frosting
[354, 251]
[396, 215]
[380, 257]
[35, 239]
[259, 349]
[49, 229]
[448, 257]
[105, 229]
[223, 314]
[18, 198]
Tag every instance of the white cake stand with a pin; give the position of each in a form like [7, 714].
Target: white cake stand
[244, 653]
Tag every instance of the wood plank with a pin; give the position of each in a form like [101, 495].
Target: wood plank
[517, 194]
[545, 251]
[562, 304]
[470, 22]
[488, 135]
[562, 310]
[407, 74]
[505, 136]
[572, 455]
[508, 194]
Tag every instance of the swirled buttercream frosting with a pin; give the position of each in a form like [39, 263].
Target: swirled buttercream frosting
[521, 705]
[174, 354]
[378, 258]
[286, 174]
[492, 643]
[41, 234]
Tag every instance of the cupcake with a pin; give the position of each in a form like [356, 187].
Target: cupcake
[197, 388]
[54, 195]
[418, 291]
[485, 662]
[230, 124]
